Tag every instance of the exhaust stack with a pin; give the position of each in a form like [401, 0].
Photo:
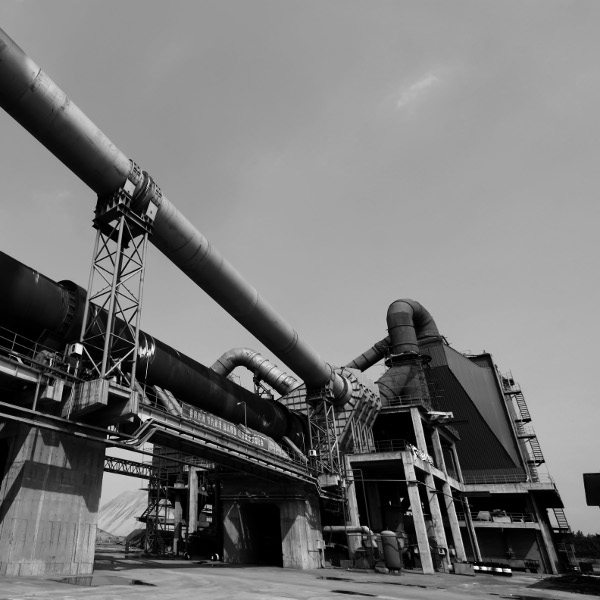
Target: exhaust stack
[41, 107]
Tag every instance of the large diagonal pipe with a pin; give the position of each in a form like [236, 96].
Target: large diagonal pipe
[42, 108]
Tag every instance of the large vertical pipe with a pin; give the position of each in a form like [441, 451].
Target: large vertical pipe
[408, 324]
[40, 106]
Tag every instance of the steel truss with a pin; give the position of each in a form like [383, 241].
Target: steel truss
[112, 315]
[324, 452]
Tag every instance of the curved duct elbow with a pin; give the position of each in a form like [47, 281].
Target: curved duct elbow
[408, 322]
[260, 366]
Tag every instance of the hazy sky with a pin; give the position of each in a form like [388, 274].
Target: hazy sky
[343, 154]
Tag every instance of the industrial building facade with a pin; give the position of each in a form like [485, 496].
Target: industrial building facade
[437, 457]
[464, 441]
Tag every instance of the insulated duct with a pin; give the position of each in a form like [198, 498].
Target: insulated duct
[41, 107]
[260, 366]
[408, 323]
[38, 308]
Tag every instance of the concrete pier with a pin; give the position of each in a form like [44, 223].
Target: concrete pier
[49, 500]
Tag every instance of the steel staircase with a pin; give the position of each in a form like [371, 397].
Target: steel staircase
[522, 406]
[536, 451]
[561, 520]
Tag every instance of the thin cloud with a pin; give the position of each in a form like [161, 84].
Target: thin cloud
[416, 90]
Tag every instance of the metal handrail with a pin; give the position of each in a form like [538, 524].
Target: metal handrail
[248, 436]
[517, 478]
[29, 353]
[513, 516]
[407, 401]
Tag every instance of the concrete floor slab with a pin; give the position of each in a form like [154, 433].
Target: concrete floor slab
[117, 577]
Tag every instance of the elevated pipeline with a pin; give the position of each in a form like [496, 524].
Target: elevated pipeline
[38, 308]
[41, 107]
[260, 366]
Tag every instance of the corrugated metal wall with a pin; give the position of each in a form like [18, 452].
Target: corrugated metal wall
[487, 445]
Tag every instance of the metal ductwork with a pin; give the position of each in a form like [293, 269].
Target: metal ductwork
[371, 356]
[260, 366]
[38, 308]
[408, 323]
[42, 108]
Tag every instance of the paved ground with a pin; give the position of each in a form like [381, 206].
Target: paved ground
[137, 578]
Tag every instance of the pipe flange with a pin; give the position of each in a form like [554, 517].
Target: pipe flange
[407, 358]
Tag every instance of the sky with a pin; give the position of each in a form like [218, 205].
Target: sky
[343, 154]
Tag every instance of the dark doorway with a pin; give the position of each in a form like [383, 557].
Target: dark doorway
[264, 532]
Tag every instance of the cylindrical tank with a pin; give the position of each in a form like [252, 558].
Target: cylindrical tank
[392, 552]
[38, 308]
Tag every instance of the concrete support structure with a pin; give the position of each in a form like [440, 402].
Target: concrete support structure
[417, 422]
[177, 517]
[49, 500]
[437, 450]
[418, 517]
[269, 523]
[448, 499]
[352, 517]
[193, 500]
[436, 517]
[546, 534]
[457, 541]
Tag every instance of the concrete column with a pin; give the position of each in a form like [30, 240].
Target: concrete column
[177, 517]
[352, 517]
[49, 501]
[417, 512]
[548, 551]
[453, 520]
[457, 464]
[236, 548]
[193, 500]
[436, 515]
[302, 538]
[437, 451]
[471, 529]
[418, 427]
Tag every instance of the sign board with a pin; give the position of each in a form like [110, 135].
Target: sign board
[591, 483]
